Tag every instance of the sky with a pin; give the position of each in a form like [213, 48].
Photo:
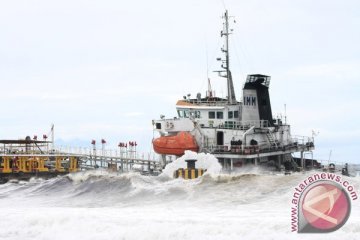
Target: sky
[105, 69]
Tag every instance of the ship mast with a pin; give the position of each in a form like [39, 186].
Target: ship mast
[226, 62]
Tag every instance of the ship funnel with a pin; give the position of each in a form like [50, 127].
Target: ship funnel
[256, 100]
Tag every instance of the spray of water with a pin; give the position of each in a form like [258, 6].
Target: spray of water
[248, 204]
[204, 161]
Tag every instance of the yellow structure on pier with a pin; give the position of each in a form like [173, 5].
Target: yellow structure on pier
[23, 159]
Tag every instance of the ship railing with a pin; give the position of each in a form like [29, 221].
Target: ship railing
[217, 148]
[210, 102]
[256, 149]
[303, 140]
[233, 149]
[244, 125]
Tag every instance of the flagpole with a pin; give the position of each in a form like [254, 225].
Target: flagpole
[52, 137]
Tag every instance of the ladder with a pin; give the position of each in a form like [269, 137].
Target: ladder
[271, 139]
[288, 157]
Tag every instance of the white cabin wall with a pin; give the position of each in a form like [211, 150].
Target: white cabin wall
[175, 125]
[283, 135]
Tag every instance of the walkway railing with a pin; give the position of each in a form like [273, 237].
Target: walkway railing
[249, 150]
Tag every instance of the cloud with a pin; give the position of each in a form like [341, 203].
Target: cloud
[106, 69]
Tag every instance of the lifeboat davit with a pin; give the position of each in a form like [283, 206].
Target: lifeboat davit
[175, 145]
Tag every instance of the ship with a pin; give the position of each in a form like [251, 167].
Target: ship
[237, 133]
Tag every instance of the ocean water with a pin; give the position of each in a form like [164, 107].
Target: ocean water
[100, 205]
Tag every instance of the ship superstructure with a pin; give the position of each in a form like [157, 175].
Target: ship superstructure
[236, 132]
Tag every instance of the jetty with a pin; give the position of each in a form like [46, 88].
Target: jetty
[26, 158]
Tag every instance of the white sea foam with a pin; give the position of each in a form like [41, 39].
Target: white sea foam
[204, 161]
[102, 205]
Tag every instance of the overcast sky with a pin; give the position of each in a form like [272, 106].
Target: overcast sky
[105, 69]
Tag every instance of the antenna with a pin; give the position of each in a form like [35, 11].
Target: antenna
[226, 62]
[210, 92]
[285, 113]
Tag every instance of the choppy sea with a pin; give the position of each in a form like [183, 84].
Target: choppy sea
[101, 205]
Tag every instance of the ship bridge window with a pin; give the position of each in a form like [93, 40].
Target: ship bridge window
[197, 114]
[186, 114]
[230, 114]
[181, 113]
[219, 115]
[211, 115]
[236, 114]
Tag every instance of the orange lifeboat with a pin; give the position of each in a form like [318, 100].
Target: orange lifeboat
[175, 145]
